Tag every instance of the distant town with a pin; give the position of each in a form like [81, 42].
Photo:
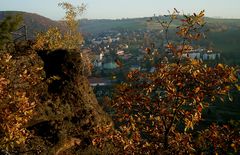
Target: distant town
[116, 52]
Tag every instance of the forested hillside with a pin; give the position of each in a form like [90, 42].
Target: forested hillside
[35, 23]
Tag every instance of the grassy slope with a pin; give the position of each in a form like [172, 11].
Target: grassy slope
[224, 35]
[98, 26]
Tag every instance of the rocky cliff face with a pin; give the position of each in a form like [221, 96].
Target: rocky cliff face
[66, 110]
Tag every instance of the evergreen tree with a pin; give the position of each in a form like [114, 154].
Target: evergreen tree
[9, 24]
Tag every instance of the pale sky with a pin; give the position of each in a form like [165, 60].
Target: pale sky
[112, 9]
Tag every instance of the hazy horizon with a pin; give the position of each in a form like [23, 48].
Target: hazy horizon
[110, 9]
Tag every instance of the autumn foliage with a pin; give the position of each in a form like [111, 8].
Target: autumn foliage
[18, 97]
[157, 112]
[54, 38]
[162, 107]
[48, 106]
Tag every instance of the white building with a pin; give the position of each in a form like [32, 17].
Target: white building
[101, 56]
[120, 52]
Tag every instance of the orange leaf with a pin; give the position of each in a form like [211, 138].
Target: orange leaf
[197, 90]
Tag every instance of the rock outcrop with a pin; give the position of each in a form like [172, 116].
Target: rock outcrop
[66, 110]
